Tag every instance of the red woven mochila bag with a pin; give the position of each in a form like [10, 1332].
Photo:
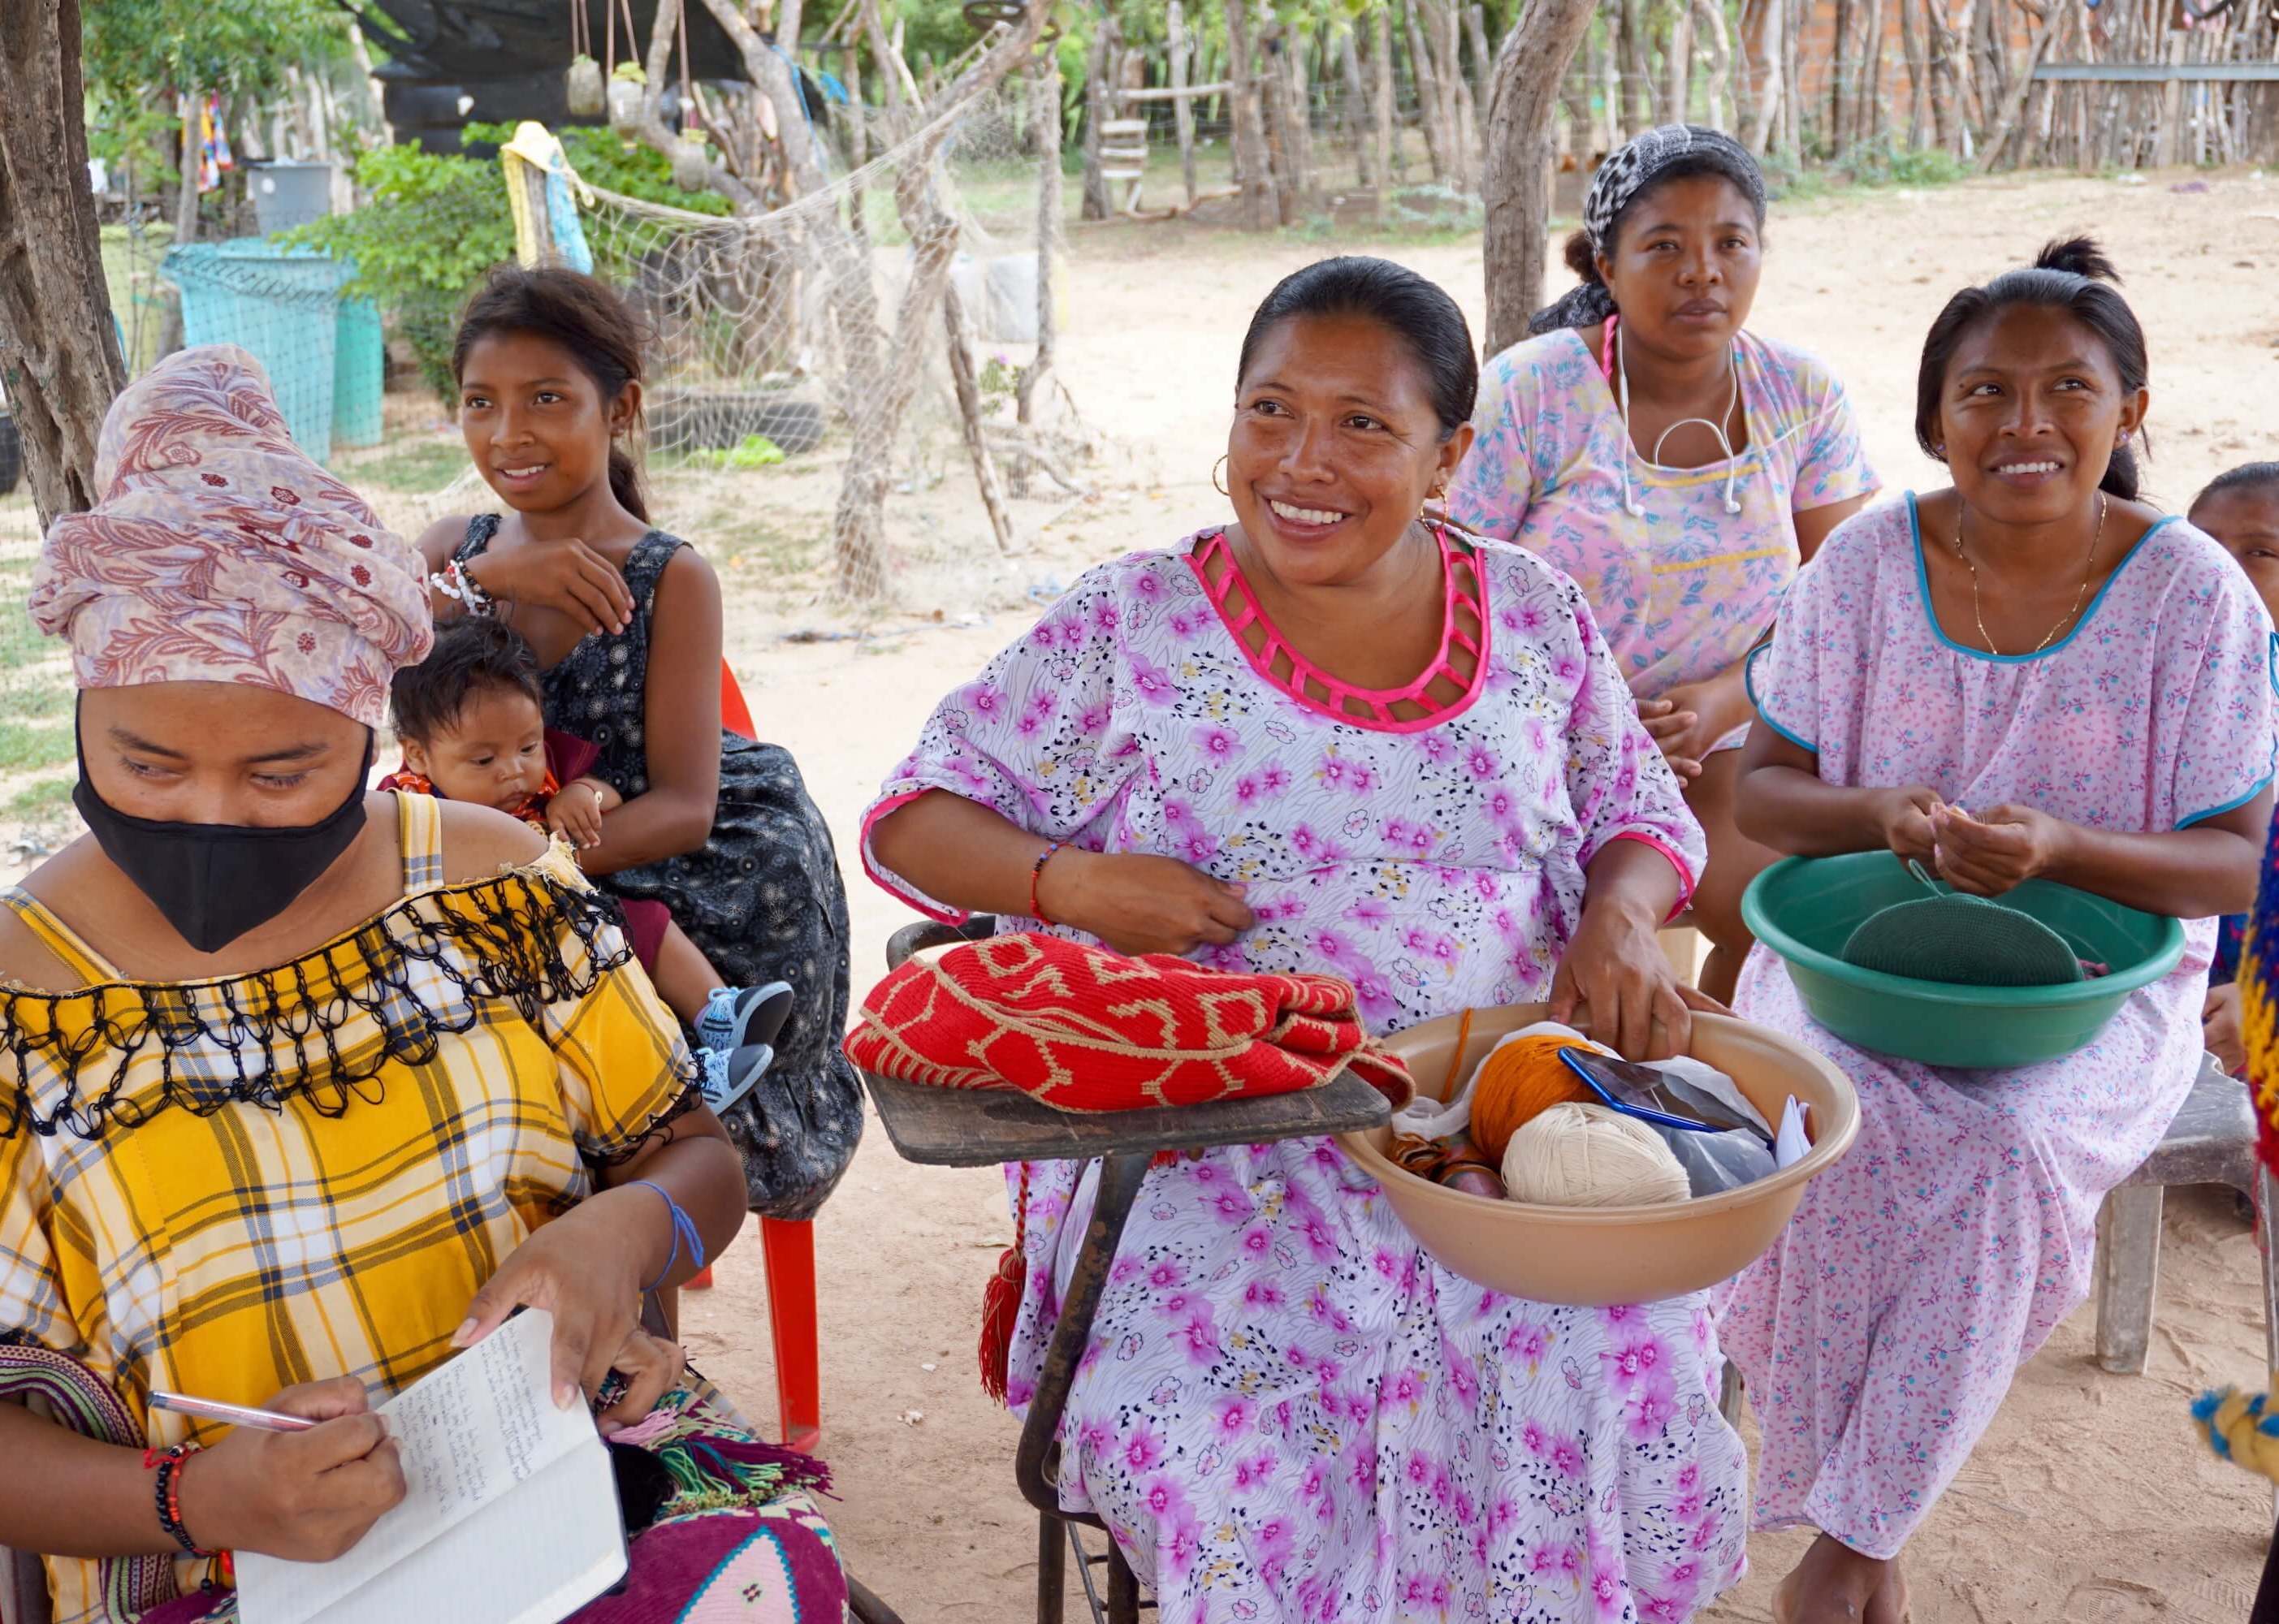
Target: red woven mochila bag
[1082, 1029]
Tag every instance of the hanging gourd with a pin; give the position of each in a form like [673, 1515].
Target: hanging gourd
[692, 162]
[628, 91]
[581, 86]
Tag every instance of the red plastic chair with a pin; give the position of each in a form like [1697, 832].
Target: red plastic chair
[786, 1248]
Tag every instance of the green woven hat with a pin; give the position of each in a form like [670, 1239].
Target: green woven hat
[1968, 941]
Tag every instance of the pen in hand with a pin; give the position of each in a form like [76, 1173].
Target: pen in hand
[230, 1414]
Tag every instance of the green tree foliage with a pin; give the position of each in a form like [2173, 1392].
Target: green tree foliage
[605, 159]
[136, 48]
[433, 227]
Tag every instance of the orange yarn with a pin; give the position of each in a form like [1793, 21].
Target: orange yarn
[1516, 1082]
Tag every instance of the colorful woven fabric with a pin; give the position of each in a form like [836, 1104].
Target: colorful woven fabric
[2259, 1003]
[219, 552]
[738, 1538]
[1082, 1029]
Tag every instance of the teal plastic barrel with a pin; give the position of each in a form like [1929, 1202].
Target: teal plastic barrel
[281, 305]
[359, 374]
[1805, 908]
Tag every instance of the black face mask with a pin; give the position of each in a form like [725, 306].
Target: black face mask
[214, 882]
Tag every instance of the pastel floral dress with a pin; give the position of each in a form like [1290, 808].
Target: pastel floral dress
[1879, 1335]
[1287, 1410]
[1682, 587]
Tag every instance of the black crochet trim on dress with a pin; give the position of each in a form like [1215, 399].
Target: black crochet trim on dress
[277, 1032]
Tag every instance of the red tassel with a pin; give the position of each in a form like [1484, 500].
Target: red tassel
[1000, 1306]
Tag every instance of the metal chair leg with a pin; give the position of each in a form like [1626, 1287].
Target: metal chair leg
[2128, 1276]
[1052, 1569]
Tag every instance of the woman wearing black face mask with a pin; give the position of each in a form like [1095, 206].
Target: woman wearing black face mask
[400, 1039]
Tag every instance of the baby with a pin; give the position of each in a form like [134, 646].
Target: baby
[470, 722]
[2240, 507]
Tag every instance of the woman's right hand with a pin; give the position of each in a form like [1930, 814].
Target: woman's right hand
[1140, 904]
[305, 1496]
[565, 576]
[1903, 823]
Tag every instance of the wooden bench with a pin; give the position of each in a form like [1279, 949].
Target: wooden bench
[970, 1129]
[2212, 1141]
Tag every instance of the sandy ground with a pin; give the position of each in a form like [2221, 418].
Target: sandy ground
[2088, 1501]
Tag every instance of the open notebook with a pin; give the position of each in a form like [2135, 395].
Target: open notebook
[510, 1514]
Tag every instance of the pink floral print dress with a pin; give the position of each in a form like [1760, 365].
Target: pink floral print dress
[1287, 1410]
[1682, 587]
[1879, 1334]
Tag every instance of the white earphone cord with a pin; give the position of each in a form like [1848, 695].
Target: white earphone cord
[1630, 504]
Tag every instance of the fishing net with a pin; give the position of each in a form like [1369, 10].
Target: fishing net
[787, 379]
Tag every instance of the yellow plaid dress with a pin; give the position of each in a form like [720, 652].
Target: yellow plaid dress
[225, 1188]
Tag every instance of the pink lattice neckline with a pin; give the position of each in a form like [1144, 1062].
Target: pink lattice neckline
[1280, 665]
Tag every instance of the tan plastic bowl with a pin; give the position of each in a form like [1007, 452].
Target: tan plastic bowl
[1594, 1256]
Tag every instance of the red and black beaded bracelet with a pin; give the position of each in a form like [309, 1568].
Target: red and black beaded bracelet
[168, 1493]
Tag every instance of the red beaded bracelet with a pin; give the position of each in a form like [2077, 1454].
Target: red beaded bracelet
[1037, 873]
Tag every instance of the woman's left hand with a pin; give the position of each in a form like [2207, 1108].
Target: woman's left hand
[1688, 720]
[585, 1268]
[1616, 967]
[1996, 851]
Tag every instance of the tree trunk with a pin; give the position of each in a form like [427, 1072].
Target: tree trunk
[1381, 62]
[1482, 73]
[1252, 174]
[970, 415]
[1678, 67]
[2006, 120]
[186, 195]
[858, 526]
[1357, 106]
[1761, 36]
[1183, 113]
[1710, 17]
[1525, 97]
[1911, 41]
[1430, 110]
[60, 356]
[1630, 63]
[1097, 60]
[1045, 115]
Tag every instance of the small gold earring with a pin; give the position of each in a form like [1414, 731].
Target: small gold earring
[1216, 486]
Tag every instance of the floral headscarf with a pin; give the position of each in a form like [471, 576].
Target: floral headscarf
[219, 552]
[1627, 171]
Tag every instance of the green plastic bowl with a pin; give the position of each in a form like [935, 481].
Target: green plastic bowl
[1805, 909]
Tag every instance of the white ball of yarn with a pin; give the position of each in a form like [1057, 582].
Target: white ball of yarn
[1587, 1155]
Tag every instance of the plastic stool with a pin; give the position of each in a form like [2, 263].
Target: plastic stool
[786, 1248]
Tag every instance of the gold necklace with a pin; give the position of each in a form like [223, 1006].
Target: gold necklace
[2088, 564]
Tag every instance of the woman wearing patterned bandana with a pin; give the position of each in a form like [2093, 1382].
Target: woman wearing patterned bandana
[1678, 467]
[304, 1089]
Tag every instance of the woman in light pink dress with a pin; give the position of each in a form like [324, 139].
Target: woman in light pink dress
[1331, 737]
[2032, 673]
[1675, 465]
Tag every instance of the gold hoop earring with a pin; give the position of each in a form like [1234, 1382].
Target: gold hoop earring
[1216, 486]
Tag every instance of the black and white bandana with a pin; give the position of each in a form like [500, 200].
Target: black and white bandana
[1627, 171]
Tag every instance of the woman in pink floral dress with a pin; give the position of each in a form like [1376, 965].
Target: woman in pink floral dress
[2032, 673]
[1331, 737]
[1676, 465]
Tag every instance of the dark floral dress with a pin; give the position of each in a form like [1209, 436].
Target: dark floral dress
[761, 897]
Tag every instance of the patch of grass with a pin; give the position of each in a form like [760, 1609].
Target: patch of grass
[420, 466]
[44, 798]
[25, 747]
